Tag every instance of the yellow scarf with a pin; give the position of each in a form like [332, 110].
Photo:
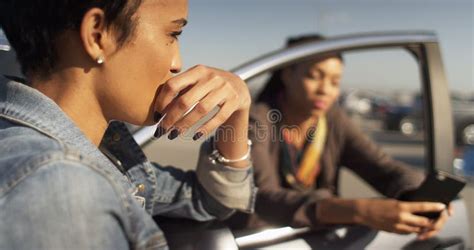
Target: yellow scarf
[309, 166]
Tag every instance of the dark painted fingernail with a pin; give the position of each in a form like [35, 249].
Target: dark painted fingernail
[157, 116]
[173, 134]
[197, 136]
[160, 131]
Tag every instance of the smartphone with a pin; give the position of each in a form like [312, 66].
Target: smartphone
[438, 187]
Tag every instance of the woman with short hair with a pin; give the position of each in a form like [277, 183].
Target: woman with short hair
[71, 175]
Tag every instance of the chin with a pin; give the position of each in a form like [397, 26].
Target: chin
[318, 112]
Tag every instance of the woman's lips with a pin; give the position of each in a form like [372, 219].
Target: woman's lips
[320, 104]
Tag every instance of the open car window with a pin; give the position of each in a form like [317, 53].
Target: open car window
[382, 93]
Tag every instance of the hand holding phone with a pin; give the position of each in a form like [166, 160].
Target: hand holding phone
[438, 187]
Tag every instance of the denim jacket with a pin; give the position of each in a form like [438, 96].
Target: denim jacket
[59, 191]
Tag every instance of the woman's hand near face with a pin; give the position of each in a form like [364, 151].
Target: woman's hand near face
[201, 88]
[399, 217]
[184, 99]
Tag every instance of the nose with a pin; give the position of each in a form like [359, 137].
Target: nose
[176, 63]
[324, 86]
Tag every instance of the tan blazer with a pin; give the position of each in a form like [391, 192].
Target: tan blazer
[346, 145]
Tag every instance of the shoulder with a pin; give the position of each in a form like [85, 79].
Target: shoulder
[339, 121]
[58, 171]
[337, 114]
[263, 114]
[66, 198]
[27, 156]
[21, 139]
[67, 171]
[21, 146]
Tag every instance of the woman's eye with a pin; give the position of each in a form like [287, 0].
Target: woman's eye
[313, 76]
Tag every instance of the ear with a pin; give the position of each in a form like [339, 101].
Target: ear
[95, 36]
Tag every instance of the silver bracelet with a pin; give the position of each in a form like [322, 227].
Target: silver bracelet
[216, 156]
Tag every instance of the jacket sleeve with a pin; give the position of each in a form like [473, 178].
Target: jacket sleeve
[360, 154]
[276, 204]
[212, 191]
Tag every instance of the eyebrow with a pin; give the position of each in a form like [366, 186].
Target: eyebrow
[182, 22]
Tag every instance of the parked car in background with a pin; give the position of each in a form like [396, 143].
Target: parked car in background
[185, 234]
[463, 116]
[404, 119]
[408, 119]
[369, 104]
[357, 102]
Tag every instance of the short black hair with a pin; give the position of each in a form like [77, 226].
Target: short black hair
[32, 26]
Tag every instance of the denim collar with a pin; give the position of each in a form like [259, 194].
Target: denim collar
[27, 106]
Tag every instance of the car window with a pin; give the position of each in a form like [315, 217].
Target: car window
[381, 92]
[382, 95]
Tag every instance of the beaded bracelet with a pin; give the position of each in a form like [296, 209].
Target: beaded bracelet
[216, 156]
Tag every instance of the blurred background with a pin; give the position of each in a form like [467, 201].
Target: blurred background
[225, 33]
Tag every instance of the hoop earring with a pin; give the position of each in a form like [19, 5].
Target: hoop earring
[100, 60]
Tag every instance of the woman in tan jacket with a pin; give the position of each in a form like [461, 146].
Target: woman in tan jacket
[301, 139]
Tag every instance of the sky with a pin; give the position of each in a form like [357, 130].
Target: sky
[226, 33]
